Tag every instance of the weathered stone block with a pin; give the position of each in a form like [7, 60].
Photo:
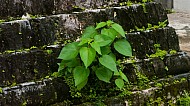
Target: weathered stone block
[43, 31]
[158, 68]
[138, 15]
[143, 42]
[19, 67]
[43, 92]
[17, 8]
[48, 30]
[177, 64]
[14, 35]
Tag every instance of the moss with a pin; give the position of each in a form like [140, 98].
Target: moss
[184, 100]
[35, 71]
[142, 81]
[144, 8]
[1, 21]
[172, 52]
[1, 90]
[14, 84]
[157, 102]
[49, 51]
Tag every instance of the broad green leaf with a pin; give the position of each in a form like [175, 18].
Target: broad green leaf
[119, 29]
[116, 73]
[96, 47]
[104, 31]
[105, 50]
[73, 63]
[113, 56]
[62, 65]
[104, 74]
[120, 83]
[123, 47]
[69, 52]
[109, 22]
[109, 32]
[87, 55]
[69, 70]
[102, 40]
[113, 33]
[80, 75]
[84, 41]
[123, 76]
[101, 24]
[108, 62]
[82, 84]
[89, 32]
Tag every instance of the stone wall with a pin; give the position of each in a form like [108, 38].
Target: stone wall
[46, 7]
[17, 8]
[167, 4]
[29, 48]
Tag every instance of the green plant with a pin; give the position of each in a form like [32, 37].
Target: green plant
[172, 52]
[145, 1]
[24, 103]
[159, 53]
[142, 80]
[157, 102]
[144, 7]
[1, 21]
[1, 90]
[96, 53]
[128, 3]
[152, 27]
[184, 101]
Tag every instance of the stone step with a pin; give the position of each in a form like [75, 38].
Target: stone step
[143, 42]
[155, 67]
[27, 65]
[52, 29]
[18, 8]
[184, 40]
[37, 93]
[20, 66]
[168, 92]
[171, 89]
[49, 91]
[47, 7]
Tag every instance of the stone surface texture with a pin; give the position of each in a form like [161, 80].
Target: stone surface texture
[29, 49]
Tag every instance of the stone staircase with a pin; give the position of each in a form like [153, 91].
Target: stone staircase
[29, 49]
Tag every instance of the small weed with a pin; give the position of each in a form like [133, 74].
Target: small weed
[184, 101]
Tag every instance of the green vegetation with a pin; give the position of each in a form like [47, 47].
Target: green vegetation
[142, 81]
[128, 3]
[159, 53]
[94, 54]
[91, 67]
[2, 20]
[158, 102]
[9, 19]
[184, 101]
[1, 90]
[152, 27]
